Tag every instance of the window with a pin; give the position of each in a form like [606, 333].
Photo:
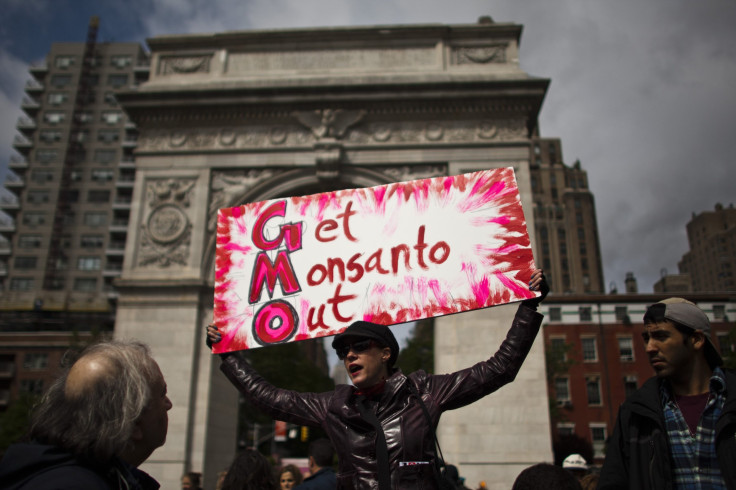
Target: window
[59, 81]
[46, 156]
[95, 219]
[555, 314]
[108, 135]
[121, 60]
[22, 284]
[37, 197]
[81, 135]
[98, 196]
[117, 80]
[562, 389]
[86, 284]
[622, 314]
[105, 156]
[25, 262]
[64, 61]
[89, 263]
[57, 98]
[54, 117]
[630, 385]
[565, 428]
[586, 313]
[102, 175]
[590, 351]
[50, 135]
[76, 175]
[34, 219]
[598, 437]
[29, 241]
[42, 176]
[35, 361]
[110, 98]
[719, 312]
[112, 117]
[91, 241]
[626, 349]
[593, 388]
[85, 117]
[32, 386]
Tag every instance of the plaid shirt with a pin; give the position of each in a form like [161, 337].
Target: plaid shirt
[694, 458]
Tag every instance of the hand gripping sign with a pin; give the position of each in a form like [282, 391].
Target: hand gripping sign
[306, 267]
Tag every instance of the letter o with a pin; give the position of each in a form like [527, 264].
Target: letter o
[310, 275]
[445, 252]
[265, 329]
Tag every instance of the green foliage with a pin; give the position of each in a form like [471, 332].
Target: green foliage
[558, 362]
[419, 350]
[15, 421]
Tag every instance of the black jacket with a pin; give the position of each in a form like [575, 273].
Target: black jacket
[408, 435]
[324, 479]
[40, 467]
[638, 453]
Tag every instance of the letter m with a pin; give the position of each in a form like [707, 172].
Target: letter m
[267, 272]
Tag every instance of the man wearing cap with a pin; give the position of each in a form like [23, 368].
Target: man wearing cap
[576, 465]
[379, 426]
[677, 430]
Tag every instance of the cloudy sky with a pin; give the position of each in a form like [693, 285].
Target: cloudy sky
[642, 92]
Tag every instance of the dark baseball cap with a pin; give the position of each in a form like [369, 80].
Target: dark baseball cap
[380, 333]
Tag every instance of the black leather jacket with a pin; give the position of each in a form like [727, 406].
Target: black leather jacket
[408, 436]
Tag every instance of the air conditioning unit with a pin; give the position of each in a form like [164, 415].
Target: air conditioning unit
[564, 403]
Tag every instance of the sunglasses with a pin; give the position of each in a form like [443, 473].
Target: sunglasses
[357, 347]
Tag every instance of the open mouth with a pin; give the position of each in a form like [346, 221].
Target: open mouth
[355, 368]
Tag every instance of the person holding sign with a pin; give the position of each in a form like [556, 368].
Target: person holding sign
[383, 427]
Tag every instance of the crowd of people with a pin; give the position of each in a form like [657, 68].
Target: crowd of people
[107, 413]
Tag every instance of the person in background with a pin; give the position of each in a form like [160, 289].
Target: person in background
[289, 476]
[545, 476]
[576, 465]
[191, 481]
[679, 429]
[322, 476]
[364, 421]
[95, 425]
[590, 481]
[249, 470]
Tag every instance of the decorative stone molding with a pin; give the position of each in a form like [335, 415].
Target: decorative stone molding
[184, 65]
[414, 172]
[227, 187]
[225, 138]
[166, 234]
[328, 123]
[327, 159]
[511, 129]
[464, 55]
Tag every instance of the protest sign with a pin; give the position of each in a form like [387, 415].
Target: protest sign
[306, 267]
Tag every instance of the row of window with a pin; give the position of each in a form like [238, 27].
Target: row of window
[71, 196]
[85, 241]
[41, 176]
[585, 313]
[589, 347]
[598, 435]
[107, 117]
[104, 156]
[103, 135]
[91, 218]
[592, 389]
[83, 263]
[81, 284]
[116, 80]
[59, 98]
[64, 61]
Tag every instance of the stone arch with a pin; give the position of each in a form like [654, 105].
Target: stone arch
[293, 183]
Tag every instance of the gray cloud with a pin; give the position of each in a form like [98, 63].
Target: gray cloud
[641, 93]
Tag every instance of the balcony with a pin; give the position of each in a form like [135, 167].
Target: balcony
[5, 248]
[119, 225]
[113, 269]
[3, 268]
[25, 125]
[7, 226]
[30, 105]
[17, 162]
[39, 71]
[115, 248]
[127, 162]
[122, 202]
[130, 142]
[7, 370]
[34, 87]
[9, 203]
[125, 181]
[12, 181]
[21, 143]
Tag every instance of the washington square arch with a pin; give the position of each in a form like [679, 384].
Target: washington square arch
[239, 117]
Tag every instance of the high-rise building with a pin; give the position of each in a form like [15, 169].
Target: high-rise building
[65, 208]
[567, 245]
[711, 260]
[72, 180]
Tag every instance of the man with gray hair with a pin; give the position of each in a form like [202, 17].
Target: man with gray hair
[96, 424]
[678, 430]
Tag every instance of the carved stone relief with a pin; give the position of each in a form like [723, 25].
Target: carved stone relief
[224, 138]
[166, 233]
[184, 65]
[414, 172]
[439, 131]
[329, 123]
[463, 55]
[228, 186]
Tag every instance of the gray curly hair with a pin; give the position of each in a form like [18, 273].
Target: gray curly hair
[97, 421]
